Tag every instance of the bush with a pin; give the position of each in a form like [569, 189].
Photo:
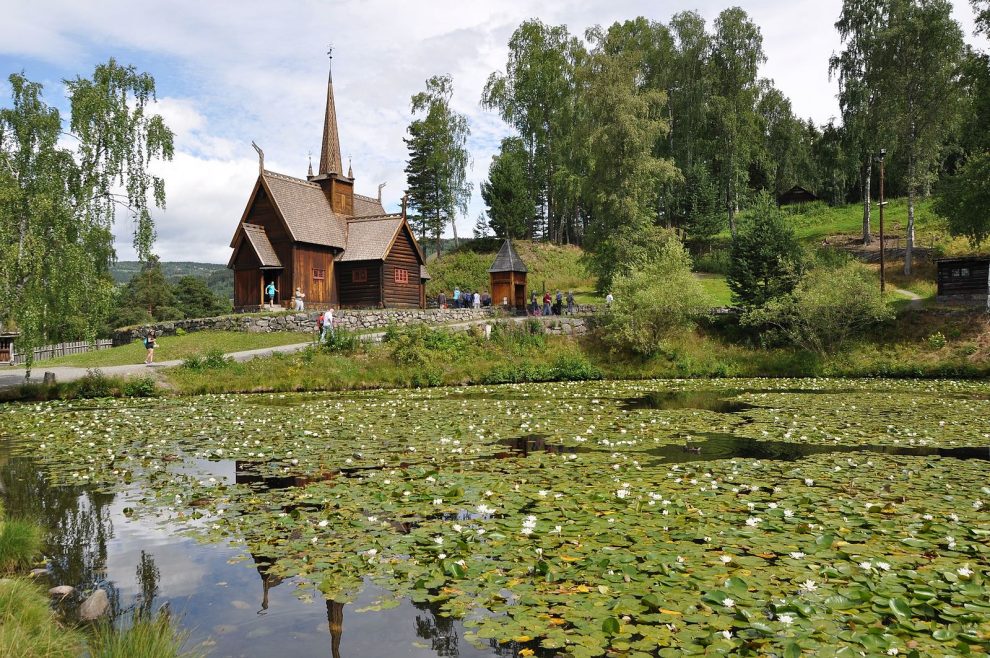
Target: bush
[629, 250]
[767, 260]
[567, 367]
[341, 341]
[519, 337]
[654, 303]
[140, 387]
[826, 309]
[213, 359]
[716, 261]
[94, 384]
[419, 345]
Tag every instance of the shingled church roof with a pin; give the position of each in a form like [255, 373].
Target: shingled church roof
[306, 211]
[258, 239]
[369, 238]
[507, 260]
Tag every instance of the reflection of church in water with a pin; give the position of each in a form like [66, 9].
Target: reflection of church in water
[439, 630]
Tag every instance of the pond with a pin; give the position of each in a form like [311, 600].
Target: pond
[629, 518]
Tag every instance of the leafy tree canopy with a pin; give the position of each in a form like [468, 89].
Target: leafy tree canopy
[964, 200]
[58, 202]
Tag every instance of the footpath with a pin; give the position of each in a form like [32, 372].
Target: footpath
[14, 376]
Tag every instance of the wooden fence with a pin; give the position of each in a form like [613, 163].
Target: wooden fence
[64, 349]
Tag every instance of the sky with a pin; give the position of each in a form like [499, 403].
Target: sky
[228, 73]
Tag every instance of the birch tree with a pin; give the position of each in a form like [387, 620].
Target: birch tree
[62, 185]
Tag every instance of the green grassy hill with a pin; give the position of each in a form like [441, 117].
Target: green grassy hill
[555, 267]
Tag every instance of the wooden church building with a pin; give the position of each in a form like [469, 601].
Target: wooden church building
[338, 247]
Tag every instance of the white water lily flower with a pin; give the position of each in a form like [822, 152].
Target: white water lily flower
[323, 524]
[725, 559]
[797, 555]
[753, 521]
[457, 527]
[786, 619]
[729, 603]
[965, 571]
[622, 493]
[484, 509]
[977, 504]
[727, 635]
[809, 482]
[438, 540]
[438, 501]
[884, 566]
[442, 556]
[788, 513]
[809, 586]
[865, 566]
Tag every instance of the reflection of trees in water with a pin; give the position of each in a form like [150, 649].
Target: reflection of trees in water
[439, 630]
[148, 576]
[77, 521]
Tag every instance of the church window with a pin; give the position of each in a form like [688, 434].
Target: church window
[319, 274]
[401, 276]
[359, 275]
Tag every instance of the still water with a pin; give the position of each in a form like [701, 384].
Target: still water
[229, 606]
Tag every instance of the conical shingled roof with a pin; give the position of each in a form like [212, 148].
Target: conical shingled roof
[330, 153]
[507, 260]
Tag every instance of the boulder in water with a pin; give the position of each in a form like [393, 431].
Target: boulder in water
[61, 591]
[95, 606]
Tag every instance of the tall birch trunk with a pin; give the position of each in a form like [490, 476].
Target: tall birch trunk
[867, 179]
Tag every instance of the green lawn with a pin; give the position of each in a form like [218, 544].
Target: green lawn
[716, 287]
[180, 347]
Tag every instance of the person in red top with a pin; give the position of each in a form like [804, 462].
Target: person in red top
[546, 303]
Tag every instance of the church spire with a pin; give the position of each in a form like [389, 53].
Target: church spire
[330, 155]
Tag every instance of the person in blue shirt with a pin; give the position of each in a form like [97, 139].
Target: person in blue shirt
[457, 297]
[270, 291]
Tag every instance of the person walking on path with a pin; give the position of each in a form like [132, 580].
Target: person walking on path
[457, 297]
[327, 324]
[570, 303]
[441, 301]
[546, 303]
[149, 344]
[477, 300]
[299, 298]
[270, 291]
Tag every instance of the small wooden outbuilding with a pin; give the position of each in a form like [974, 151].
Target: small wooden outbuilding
[7, 345]
[964, 280]
[508, 278]
[796, 194]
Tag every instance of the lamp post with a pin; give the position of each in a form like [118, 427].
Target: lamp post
[883, 278]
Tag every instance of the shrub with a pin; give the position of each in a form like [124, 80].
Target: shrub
[767, 260]
[653, 304]
[213, 359]
[826, 309]
[419, 344]
[519, 337]
[628, 250]
[140, 387]
[936, 341]
[94, 384]
[341, 341]
[716, 261]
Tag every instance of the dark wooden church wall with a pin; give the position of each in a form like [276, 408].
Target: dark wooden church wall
[402, 257]
[263, 213]
[359, 294]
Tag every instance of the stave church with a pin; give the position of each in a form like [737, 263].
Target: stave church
[315, 233]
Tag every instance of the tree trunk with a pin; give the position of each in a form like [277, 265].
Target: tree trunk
[867, 176]
[909, 239]
[453, 225]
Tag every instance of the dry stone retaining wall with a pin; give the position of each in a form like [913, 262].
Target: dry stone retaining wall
[353, 320]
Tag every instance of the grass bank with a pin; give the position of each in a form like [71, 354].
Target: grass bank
[919, 344]
[179, 347]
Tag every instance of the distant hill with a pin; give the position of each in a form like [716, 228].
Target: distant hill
[219, 279]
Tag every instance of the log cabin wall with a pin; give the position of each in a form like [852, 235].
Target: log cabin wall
[401, 283]
[963, 276]
[247, 276]
[359, 283]
[314, 268]
[263, 213]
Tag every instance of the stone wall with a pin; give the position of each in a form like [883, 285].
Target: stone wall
[355, 320]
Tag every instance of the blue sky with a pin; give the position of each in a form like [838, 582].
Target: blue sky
[232, 72]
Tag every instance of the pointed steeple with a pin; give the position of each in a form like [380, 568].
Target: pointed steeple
[330, 155]
[350, 169]
[309, 172]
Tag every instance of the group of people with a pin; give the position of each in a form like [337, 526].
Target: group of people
[551, 305]
[465, 299]
[297, 297]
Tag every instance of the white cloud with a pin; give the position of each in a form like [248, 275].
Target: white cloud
[232, 72]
